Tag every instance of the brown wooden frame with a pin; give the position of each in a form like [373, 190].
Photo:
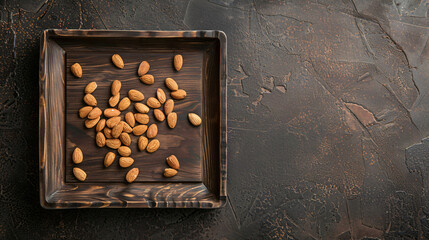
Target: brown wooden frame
[56, 193]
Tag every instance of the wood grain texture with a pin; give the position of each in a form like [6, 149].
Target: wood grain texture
[200, 182]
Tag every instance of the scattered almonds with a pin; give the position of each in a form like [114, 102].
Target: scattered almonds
[152, 131]
[153, 146]
[90, 123]
[172, 119]
[111, 122]
[125, 139]
[159, 115]
[125, 162]
[147, 79]
[117, 60]
[100, 125]
[116, 87]
[142, 143]
[169, 172]
[76, 69]
[77, 156]
[129, 118]
[124, 151]
[142, 108]
[107, 132]
[160, 94]
[178, 62]
[117, 130]
[179, 94]
[124, 104]
[113, 143]
[142, 118]
[79, 174]
[90, 88]
[114, 100]
[153, 102]
[143, 68]
[95, 113]
[83, 112]
[139, 130]
[100, 139]
[132, 175]
[135, 95]
[194, 119]
[171, 84]
[111, 112]
[109, 158]
[90, 100]
[173, 162]
[168, 106]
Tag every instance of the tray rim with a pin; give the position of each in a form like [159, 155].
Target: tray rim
[48, 202]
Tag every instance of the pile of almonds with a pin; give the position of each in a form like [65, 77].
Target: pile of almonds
[114, 133]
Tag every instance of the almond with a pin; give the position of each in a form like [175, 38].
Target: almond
[95, 113]
[125, 162]
[142, 143]
[132, 175]
[124, 151]
[172, 119]
[143, 68]
[159, 115]
[100, 125]
[178, 62]
[76, 69]
[83, 112]
[135, 95]
[194, 119]
[127, 128]
[152, 131]
[113, 100]
[90, 123]
[125, 139]
[153, 102]
[124, 104]
[109, 158]
[129, 118]
[169, 172]
[90, 88]
[79, 174]
[171, 84]
[113, 143]
[116, 87]
[142, 118]
[117, 60]
[100, 139]
[77, 156]
[153, 146]
[108, 132]
[168, 106]
[173, 162]
[139, 130]
[142, 108]
[160, 94]
[117, 130]
[111, 112]
[90, 100]
[147, 79]
[111, 122]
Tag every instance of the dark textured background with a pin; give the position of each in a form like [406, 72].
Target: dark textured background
[327, 109]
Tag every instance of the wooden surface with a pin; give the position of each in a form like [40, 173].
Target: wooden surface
[200, 182]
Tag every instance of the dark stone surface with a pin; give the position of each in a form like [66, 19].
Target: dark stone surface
[327, 106]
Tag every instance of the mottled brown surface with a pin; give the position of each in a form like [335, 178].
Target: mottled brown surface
[300, 163]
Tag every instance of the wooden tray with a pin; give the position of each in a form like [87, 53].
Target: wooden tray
[201, 181]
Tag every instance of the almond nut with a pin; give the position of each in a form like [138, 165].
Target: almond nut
[77, 156]
[90, 88]
[132, 175]
[113, 143]
[90, 123]
[168, 106]
[142, 108]
[111, 122]
[153, 102]
[107, 132]
[147, 79]
[125, 162]
[116, 87]
[124, 151]
[79, 174]
[109, 158]
[142, 143]
[125, 139]
[142, 118]
[159, 115]
[90, 100]
[152, 146]
[139, 130]
[171, 84]
[113, 100]
[178, 62]
[127, 128]
[100, 125]
[100, 139]
[76, 69]
[129, 118]
[172, 119]
[117, 60]
[143, 68]
[152, 131]
[117, 130]
[194, 119]
[160, 94]
[169, 172]
[95, 113]
[179, 94]
[173, 162]
[83, 112]
[135, 95]
[124, 104]
[111, 112]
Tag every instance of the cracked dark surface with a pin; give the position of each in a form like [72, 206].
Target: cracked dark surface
[327, 109]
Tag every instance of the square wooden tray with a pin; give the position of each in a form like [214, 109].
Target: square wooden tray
[201, 181]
